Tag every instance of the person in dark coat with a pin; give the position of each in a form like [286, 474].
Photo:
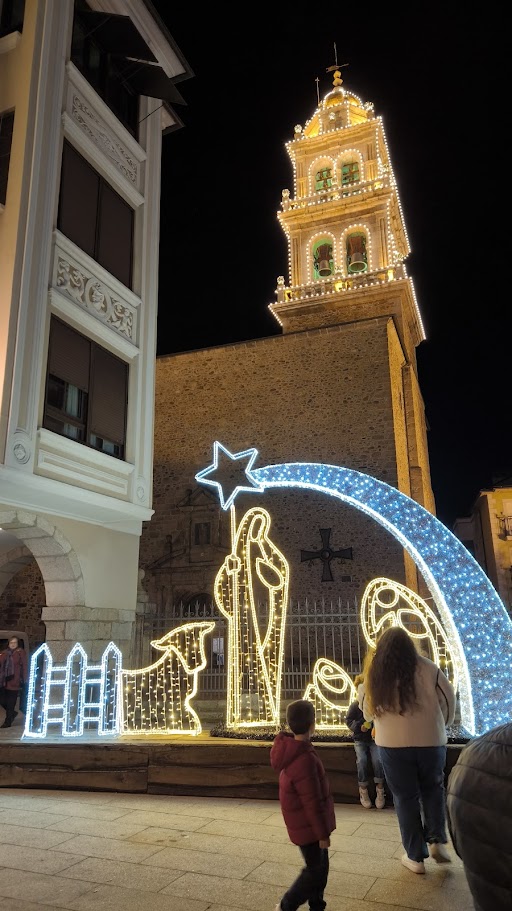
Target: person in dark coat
[13, 675]
[367, 753]
[306, 804]
[479, 813]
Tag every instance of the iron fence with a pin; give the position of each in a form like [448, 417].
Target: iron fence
[319, 629]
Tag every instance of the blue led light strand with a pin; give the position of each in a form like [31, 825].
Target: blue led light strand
[477, 624]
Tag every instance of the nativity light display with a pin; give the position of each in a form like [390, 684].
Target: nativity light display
[158, 699]
[64, 696]
[255, 567]
[477, 626]
[472, 640]
[331, 692]
[387, 603]
[77, 696]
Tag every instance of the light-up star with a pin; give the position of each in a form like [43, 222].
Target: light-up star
[234, 475]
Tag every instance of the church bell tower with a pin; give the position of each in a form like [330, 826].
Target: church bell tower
[347, 246]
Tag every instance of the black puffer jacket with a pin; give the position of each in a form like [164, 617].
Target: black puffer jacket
[479, 809]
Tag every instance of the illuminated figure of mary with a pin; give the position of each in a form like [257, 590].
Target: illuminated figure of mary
[251, 591]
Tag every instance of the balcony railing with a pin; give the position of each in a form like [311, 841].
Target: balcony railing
[505, 526]
[337, 191]
[337, 283]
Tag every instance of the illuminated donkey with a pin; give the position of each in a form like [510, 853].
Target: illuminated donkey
[157, 698]
[254, 572]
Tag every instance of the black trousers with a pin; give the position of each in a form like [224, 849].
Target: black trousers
[311, 881]
[8, 701]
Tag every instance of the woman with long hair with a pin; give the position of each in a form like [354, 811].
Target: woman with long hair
[411, 702]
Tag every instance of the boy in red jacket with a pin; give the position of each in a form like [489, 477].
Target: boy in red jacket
[306, 804]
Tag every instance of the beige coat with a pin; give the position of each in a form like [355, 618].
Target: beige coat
[426, 725]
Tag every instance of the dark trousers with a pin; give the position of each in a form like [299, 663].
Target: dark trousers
[311, 881]
[415, 776]
[8, 701]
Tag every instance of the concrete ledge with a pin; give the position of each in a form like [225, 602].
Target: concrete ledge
[201, 766]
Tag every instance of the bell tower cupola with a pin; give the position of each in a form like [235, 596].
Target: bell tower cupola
[347, 241]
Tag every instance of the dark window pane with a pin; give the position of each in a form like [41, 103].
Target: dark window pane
[66, 398]
[6, 128]
[96, 418]
[113, 449]
[202, 533]
[109, 380]
[11, 16]
[95, 61]
[78, 203]
[115, 233]
[64, 428]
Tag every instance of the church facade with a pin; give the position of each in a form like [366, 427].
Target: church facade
[337, 384]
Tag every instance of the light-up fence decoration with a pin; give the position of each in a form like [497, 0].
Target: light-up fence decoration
[65, 696]
[477, 626]
[387, 603]
[78, 697]
[254, 571]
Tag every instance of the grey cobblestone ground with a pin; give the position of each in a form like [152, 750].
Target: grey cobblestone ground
[105, 851]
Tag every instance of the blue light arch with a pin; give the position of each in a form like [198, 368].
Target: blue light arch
[474, 617]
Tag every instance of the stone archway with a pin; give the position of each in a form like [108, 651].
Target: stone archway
[22, 590]
[59, 566]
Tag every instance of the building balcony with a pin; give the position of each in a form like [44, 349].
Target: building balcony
[337, 284]
[505, 527]
[359, 189]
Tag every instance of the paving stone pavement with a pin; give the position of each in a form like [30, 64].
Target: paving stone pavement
[105, 851]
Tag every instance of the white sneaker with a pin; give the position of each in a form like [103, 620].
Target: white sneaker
[380, 798]
[364, 797]
[439, 853]
[415, 866]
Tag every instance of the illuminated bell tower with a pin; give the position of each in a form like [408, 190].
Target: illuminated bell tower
[347, 246]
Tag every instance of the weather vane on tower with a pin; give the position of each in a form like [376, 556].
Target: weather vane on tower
[337, 81]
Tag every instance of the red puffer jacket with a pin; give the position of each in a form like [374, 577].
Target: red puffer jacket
[304, 791]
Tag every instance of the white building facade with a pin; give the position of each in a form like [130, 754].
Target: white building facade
[86, 92]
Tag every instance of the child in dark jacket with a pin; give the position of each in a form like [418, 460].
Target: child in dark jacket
[366, 751]
[306, 804]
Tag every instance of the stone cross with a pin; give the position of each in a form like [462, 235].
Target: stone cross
[326, 554]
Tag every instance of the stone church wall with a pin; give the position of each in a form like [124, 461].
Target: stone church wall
[321, 395]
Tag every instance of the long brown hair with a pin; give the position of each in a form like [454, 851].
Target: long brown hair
[390, 674]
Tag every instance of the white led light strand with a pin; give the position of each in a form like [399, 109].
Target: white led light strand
[74, 695]
[255, 643]
[330, 682]
[157, 698]
[387, 603]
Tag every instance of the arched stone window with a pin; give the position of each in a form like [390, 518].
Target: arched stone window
[323, 178]
[357, 260]
[323, 263]
[349, 172]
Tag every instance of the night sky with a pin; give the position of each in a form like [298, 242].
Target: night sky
[222, 249]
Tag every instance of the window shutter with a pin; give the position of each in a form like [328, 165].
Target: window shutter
[115, 235]
[78, 202]
[69, 355]
[109, 381]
